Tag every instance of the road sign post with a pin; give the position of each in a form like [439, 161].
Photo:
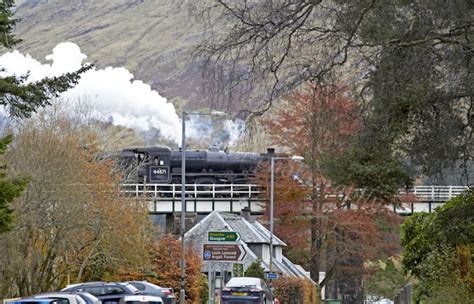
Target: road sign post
[223, 252]
[237, 270]
[223, 236]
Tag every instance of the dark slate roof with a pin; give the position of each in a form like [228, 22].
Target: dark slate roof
[250, 232]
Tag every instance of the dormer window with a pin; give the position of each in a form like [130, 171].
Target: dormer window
[278, 253]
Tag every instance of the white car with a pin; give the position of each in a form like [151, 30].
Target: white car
[71, 298]
[140, 299]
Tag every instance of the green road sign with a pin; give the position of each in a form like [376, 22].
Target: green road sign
[223, 236]
[237, 270]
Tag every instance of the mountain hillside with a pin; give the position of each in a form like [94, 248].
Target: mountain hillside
[151, 38]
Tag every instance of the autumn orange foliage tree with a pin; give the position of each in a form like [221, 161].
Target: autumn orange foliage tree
[72, 224]
[164, 269]
[344, 226]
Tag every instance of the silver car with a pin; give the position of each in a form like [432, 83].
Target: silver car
[151, 289]
[141, 299]
[71, 298]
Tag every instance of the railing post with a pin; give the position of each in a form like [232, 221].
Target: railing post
[432, 193]
[450, 195]
[231, 190]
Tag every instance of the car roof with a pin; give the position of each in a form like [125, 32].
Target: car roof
[145, 283]
[56, 294]
[61, 295]
[85, 283]
[98, 284]
[34, 300]
[142, 298]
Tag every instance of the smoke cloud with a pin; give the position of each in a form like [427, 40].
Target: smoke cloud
[114, 95]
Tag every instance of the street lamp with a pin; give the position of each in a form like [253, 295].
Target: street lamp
[182, 262]
[272, 187]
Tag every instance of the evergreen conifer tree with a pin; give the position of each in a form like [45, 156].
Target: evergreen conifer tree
[9, 189]
[255, 270]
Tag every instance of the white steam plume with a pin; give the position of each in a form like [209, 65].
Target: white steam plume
[113, 92]
[116, 97]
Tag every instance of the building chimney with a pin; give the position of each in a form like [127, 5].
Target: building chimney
[245, 213]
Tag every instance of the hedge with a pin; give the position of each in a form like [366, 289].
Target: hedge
[290, 290]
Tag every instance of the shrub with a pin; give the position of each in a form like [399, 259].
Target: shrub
[204, 296]
[295, 291]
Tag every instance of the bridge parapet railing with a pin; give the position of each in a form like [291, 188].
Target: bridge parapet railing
[419, 193]
[437, 193]
[193, 190]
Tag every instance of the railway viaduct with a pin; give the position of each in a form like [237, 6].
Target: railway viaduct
[164, 200]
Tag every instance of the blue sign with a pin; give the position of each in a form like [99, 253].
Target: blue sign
[207, 255]
[271, 276]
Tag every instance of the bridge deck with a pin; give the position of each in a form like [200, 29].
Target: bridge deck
[205, 198]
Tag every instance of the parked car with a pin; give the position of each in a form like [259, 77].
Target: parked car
[70, 298]
[88, 298]
[151, 289]
[141, 299]
[250, 290]
[107, 293]
[38, 301]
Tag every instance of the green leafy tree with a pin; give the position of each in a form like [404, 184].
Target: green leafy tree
[21, 98]
[386, 281]
[10, 188]
[255, 270]
[438, 250]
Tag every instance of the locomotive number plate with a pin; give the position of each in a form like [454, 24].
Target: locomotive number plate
[159, 174]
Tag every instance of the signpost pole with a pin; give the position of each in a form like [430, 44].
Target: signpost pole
[272, 186]
[182, 292]
[209, 283]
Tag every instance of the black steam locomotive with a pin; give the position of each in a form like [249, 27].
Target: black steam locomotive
[163, 165]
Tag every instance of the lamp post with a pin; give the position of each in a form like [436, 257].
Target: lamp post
[182, 262]
[272, 189]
